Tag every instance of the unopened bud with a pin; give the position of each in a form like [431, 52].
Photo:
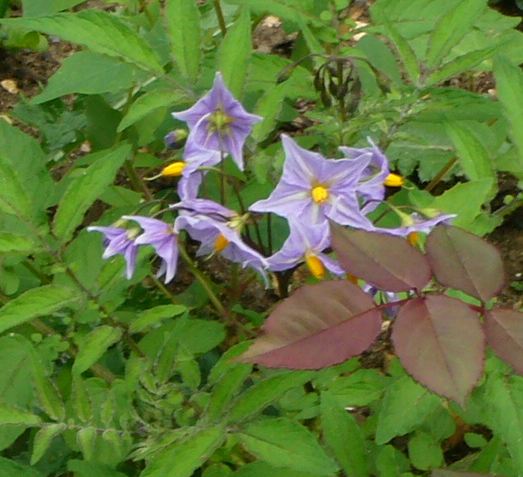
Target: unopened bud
[173, 170]
[175, 139]
[394, 180]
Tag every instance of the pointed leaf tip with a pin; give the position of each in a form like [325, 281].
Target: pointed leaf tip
[440, 342]
[504, 330]
[386, 261]
[465, 261]
[318, 326]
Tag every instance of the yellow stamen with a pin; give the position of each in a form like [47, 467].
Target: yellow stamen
[320, 194]
[352, 278]
[316, 266]
[394, 180]
[220, 244]
[173, 170]
[413, 238]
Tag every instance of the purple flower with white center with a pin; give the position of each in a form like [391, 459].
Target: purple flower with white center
[306, 244]
[195, 157]
[119, 241]
[371, 186]
[219, 121]
[313, 188]
[218, 229]
[162, 238]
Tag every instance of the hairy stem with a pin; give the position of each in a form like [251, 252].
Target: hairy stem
[219, 15]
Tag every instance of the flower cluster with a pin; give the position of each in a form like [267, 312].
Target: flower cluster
[312, 191]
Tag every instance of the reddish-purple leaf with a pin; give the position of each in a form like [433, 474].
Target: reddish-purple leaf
[440, 342]
[318, 326]
[504, 330]
[466, 262]
[387, 262]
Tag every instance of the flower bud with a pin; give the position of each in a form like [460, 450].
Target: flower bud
[175, 139]
[394, 180]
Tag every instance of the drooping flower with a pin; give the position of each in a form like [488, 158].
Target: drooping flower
[120, 241]
[371, 186]
[219, 231]
[163, 239]
[306, 244]
[174, 139]
[218, 121]
[313, 188]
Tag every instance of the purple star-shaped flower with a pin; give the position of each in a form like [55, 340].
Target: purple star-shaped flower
[218, 121]
[313, 188]
[195, 157]
[306, 244]
[371, 186]
[162, 238]
[119, 241]
[218, 229]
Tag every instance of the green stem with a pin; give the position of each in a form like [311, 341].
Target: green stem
[203, 281]
[136, 181]
[441, 174]
[221, 18]
[158, 284]
[509, 208]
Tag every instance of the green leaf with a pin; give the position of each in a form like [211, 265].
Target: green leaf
[84, 190]
[234, 53]
[182, 459]
[465, 200]
[183, 26]
[424, 452]
[262, 469]
[344, 437]
[509, 87]
[12, 415]
[86, 439]
[82, 468]
[94, 345]
[86, 72]
[48, 396]
[459, 65]
[43, 438]
[34, 303]
[473, 158]
[33, 8]
[148, 103]
[15, 243]
[504, 396]
[99, 31]
[10, 468]
[261, 394]
[13, 196]
[451, 28]
[404, 408]
[155, 315]
[285, 443]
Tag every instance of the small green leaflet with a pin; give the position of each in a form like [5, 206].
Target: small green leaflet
[94, 345]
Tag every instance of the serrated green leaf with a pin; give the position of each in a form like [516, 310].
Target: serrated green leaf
[183, 26]
[261, 394]
[182, 459]
[405, 406]
[34, 303]
[459, 65]
[148, 103]
[509, 87]
[15, 243]
[99, 31]
[451, 28]
[43, 438]
[86, 72]
[86, 439]
[155, 315]
[473, 158]
[344, 437]
[234, 53]
[285, 443]
[48, 396]
[94, 345]
[80, 399]
[84, 190]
